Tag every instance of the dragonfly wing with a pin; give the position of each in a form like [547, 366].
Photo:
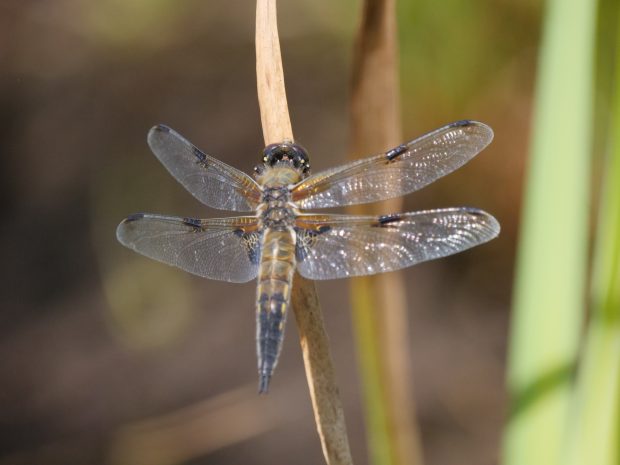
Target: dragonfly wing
[211, 181]
[226, 249]
[339, 246]
[399, 171]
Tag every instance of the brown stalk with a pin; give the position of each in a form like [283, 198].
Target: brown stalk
[375, 127]
[328, 412]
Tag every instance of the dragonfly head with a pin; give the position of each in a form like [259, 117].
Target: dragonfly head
[285, 152]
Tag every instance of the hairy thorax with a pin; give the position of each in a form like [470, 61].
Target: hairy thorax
[276, 210]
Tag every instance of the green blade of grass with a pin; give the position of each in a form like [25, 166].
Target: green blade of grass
[548, 306]
[593, 429]
[376, 413]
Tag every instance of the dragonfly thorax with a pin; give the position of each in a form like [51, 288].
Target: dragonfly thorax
[283, 174]
[280, 194]
[275, 211]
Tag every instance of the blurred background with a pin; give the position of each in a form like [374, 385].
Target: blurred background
[107, 357]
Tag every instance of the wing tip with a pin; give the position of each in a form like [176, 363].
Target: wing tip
[494, 225]
[133, 217]
[161, 128]
[467, 123]
[490, 222]
[155, 132]
[462, 123]
[121, 229]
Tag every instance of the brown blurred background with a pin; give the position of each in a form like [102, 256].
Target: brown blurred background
[107, 357]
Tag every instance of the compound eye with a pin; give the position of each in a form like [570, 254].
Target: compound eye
[288, 151]
[271, 154]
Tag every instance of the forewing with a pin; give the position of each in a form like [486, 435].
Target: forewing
[399, 171]
[211, 181]
[339, 246]
[226, 249]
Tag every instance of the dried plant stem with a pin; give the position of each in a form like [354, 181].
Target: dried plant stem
[379, 302]
[274, 114]
[328, 412]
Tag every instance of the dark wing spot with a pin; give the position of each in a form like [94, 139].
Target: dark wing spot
[395, 152]
[134, 217]
[253, 256]
[306, 238]
[473, 211]
[251, 242]
[461, 123]
[301, 251]
[162, 128]
[202, 158]
[193, 222]
[387, 219]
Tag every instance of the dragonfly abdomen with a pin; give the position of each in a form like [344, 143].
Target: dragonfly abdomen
[275, 278]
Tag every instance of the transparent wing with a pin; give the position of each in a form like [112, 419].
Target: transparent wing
[399, 171]
[338, 246]
[211, 181]
[226, 249]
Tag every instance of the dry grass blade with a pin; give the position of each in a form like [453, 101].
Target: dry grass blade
[326, 404]
[382, 335]
[197, 430]
[276, 123]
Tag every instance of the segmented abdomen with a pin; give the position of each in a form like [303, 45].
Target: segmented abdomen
[275, 278]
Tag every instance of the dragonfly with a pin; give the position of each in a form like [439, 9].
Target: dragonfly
[281, 236]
